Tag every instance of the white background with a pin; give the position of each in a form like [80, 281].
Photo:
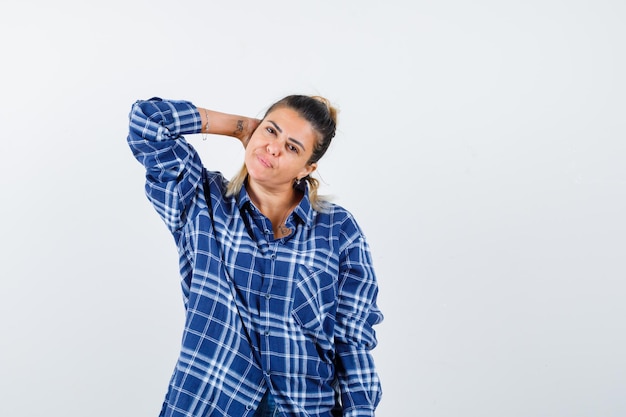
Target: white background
[481, 147]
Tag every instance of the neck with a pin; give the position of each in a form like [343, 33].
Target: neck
[275, 205]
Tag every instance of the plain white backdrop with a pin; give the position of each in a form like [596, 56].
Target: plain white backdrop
[481, 147]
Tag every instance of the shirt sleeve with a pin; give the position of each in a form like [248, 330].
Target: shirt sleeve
[357, 313]
[173, 167]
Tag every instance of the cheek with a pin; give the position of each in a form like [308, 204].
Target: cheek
[247, 154]
[254, 141]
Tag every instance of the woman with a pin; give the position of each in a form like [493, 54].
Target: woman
[278, 285]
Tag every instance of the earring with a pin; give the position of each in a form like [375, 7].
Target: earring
[299, 184]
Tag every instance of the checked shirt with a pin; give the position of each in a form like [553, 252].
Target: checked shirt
[294, 315]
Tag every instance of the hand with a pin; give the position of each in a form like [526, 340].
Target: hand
[245, 128]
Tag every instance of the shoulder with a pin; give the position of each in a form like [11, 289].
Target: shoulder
[341, 220]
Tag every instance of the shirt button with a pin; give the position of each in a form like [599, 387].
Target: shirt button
[248, 407]
[267, 232]
[268, 296]
[273, 256]
[267, 333]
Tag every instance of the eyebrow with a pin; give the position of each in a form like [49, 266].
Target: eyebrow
[297, 142]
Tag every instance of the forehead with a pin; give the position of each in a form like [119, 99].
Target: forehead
[290, 123]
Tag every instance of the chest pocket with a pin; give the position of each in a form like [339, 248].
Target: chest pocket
[314, 308]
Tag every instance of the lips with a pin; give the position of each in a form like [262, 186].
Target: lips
[265, 162]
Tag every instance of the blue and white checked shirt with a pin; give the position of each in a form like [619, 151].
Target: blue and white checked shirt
[292, 315]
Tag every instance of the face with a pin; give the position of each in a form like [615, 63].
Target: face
[279, 149]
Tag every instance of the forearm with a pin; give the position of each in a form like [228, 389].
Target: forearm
[218, 123]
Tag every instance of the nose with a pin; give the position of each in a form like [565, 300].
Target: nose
[272, 148]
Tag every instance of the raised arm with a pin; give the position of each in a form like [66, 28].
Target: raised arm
[173, 167]
[217, 123]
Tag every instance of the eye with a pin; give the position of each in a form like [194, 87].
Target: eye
[292, 148]
[270, 130]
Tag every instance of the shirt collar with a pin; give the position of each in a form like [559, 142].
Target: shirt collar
[304, 210]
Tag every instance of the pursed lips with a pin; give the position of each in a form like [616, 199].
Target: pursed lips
[264, 161]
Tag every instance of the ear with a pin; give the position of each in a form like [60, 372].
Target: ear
[307, 170]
